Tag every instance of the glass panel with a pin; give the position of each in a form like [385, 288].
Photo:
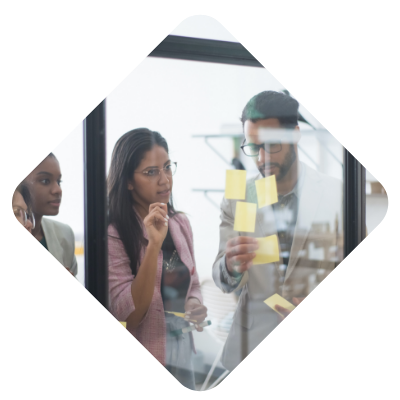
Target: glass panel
[55, 198]
[202, 26]
[376, 202]
[197, 108]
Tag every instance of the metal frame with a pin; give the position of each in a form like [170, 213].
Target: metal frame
[194, 49]
[96, 255]
[354, 214]
[185, 48]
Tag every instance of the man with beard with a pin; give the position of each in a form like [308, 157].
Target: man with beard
[307, 216]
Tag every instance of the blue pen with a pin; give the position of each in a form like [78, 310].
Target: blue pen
[189, 328]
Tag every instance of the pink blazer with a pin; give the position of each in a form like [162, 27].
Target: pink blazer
[151, 331]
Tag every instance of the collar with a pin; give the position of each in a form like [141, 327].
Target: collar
[298, 186]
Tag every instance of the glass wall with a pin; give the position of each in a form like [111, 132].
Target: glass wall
[197, 107]
[54, 196]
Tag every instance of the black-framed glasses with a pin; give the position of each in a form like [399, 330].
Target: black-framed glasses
[253, 150]
[23, 216]
[169, 170]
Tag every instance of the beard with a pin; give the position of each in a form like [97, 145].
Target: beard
[283, 168]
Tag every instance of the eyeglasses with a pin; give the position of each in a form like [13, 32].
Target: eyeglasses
[253, 150]
[154, 173]
[23, 217]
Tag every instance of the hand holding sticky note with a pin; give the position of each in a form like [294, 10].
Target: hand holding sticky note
[267, 192]
[268, 250]
[276, 300]
[245, 217]
[235, 184]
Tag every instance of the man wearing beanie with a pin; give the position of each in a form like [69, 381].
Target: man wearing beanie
[307, 216]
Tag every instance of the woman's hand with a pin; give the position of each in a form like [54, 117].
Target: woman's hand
[195, 312]
[156, 223]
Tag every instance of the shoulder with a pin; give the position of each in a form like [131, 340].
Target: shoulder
[57, 226]
[181, 219]
[112, 231]
[330, 189]
[321, 178]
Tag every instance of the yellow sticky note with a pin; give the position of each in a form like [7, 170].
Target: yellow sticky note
[123, 324]
[235, 184]
[268, 250]
[275, 299]
[245, 217]
[267, 192]
[177, 314]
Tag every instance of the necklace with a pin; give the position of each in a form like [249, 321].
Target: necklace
[170, 265]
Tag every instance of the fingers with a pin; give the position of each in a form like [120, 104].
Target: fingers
[241, 249]
[297, 300]
[238, 240]
[240, 252]
[158, 216]
[197, 310]
[161, 206]
[197, 314]
[284, 311]
[240, 264]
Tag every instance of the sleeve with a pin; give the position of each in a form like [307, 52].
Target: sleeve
[195, 288]
[221, 276]
[120, 277]
[73, 265]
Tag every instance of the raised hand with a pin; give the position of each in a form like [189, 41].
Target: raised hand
[240, 252]
[156, 223]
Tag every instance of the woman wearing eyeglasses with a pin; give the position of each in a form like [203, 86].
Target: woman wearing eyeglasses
[152, 269]
[44, 184]
[21, 204]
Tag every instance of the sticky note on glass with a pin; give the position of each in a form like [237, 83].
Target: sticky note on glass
[235, 184]
[178, 314]
[245, 217]
[268, 250]
[275, 299]
[123, 324]
[267, 192]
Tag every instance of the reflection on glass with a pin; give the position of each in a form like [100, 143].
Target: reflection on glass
[153, 282]
[305, 220]
[44, 185]
[197, 108]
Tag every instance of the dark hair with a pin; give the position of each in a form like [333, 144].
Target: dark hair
[26, 195]
[126, 157]
[271, 104]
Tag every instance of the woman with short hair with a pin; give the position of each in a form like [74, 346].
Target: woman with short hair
[22, 207]
[44, 184]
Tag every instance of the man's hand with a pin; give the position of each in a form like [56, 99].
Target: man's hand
[240, 252]
[284, 311]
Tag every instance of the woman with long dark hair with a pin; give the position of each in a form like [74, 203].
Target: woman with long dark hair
[152, 271]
